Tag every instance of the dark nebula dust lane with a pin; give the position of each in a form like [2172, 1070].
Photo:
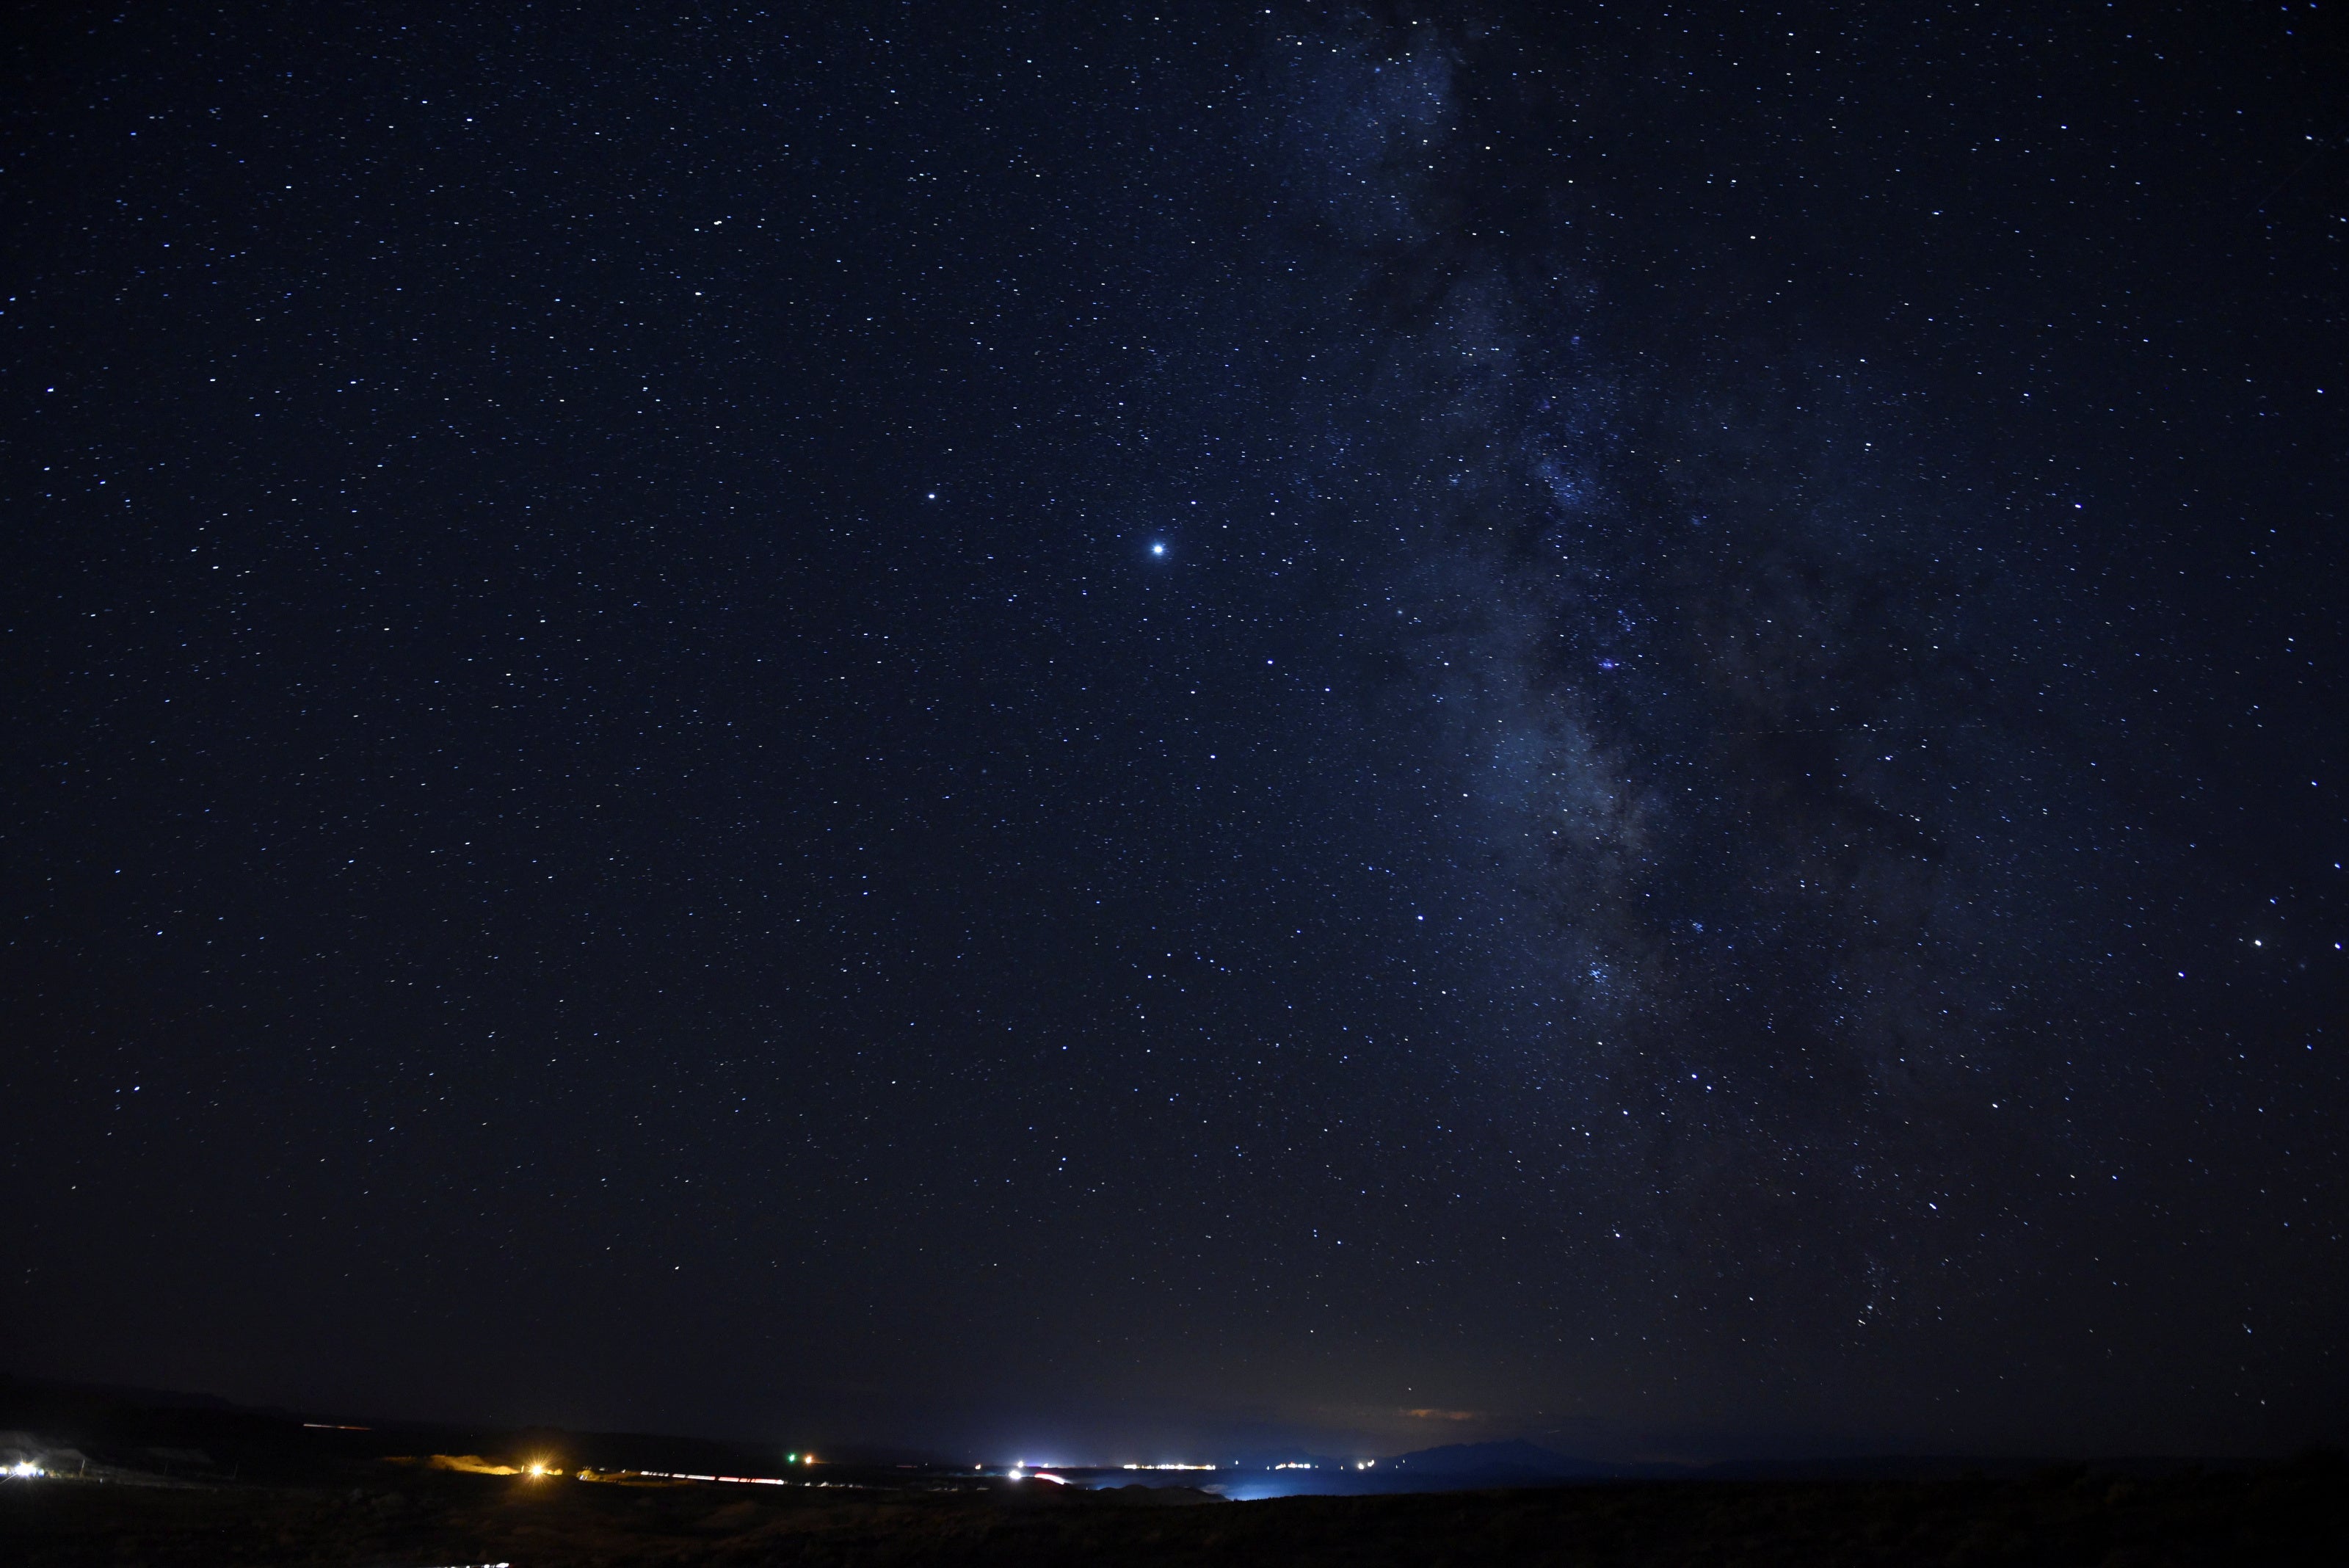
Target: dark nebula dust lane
[1294, 727]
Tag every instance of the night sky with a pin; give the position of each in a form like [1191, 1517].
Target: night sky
[1070, 731]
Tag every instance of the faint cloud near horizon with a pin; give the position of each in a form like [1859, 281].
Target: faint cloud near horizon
[1430, 1415]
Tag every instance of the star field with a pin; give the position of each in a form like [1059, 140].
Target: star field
[1160, 732]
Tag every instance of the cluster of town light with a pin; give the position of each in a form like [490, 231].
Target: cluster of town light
[1169, 1467]
[537, 1468]
[25, 1468]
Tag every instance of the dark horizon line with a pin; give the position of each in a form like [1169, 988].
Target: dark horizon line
[855, 1455]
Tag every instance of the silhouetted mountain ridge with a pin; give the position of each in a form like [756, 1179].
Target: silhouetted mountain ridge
[1517, 1456]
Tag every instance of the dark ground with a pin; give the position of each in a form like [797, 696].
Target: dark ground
[2285, 1515]
[191, 1481]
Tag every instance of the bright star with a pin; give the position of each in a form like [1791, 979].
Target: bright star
[1157, 549]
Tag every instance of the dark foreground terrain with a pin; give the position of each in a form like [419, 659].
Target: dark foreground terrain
[2289, 1514]
[166, 1480]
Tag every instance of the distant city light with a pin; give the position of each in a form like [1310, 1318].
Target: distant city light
[679, 1475]
[1167, 1466]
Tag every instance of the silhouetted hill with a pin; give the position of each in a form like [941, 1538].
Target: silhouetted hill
[1518, 1459]
[2277, 1517]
